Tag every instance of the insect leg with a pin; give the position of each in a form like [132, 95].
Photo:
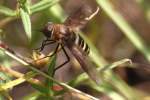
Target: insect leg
[56, 49]
[68, 59]
[44, 43]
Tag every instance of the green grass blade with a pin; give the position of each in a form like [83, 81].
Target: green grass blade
[40, 88]
[32, 96]
[130, 33]
[41, 5]
[7, 11]
[51, 67]
[107, 89]
[116, 64]
[26, 23]
[146, 7]
[2, 96]
[25, 16]
[57, 12]
[15, 82]
[6, 95]
[121, 86]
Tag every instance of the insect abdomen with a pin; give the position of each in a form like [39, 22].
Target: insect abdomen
[81, 43]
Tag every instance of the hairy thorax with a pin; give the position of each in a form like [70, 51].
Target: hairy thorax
[63, 33]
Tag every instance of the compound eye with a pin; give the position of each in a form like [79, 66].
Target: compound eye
[48, 29]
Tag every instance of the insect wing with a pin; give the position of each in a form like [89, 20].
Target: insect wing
[145, 68]
[85, 64]
[79, 18]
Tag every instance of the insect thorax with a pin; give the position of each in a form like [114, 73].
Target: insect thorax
[68, 37]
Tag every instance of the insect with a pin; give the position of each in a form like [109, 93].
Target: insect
[65, 35]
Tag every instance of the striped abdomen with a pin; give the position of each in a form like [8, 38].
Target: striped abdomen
[78, 40]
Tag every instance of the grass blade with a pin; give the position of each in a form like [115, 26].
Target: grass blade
[145, 6]
[130, 33]
[15, 82]
[7, 11]
[32, 96]
[25, 16]
[41, 5]
[26, 23]
[51, 67]
[40, 88]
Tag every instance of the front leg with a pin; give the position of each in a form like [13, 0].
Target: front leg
[53, 53]
[45, 43]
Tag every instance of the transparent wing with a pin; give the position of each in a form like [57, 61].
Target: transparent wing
[85, 64]
[142, 67]
[79, 18]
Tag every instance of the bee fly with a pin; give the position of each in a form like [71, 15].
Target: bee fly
[65, 35]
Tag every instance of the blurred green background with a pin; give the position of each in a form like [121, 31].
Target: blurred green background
[120, 30]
